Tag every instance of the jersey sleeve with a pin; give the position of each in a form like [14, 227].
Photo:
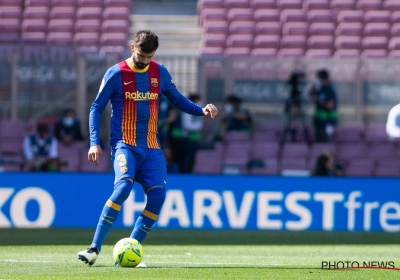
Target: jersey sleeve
[105, 92]
[175, 97]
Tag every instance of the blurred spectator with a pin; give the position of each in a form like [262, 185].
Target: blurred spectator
[325, 166]
[40, 150]
[393, 123]
[235, 117]
[172, 167]
[186, 134]
[68, 128]
[325, 116]
[166, 116]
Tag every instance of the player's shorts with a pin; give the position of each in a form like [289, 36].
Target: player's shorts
[144, 165]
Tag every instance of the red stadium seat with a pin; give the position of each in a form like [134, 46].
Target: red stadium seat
[59, 38]
[350, 16]
[293, 16]
[316, 4]
[241, 4]
[63, 3]
[86, 38]
[9, 37]
[262, 4]
[10, 12]
[319, 53]
[348, 42]
[294, 42]
[374, 43]
[295, 150]
[212, 15]
[114, 39]
[33, 37]
[377, 16]
[266, 41]
[242, 27]
[391, 5]
[90, 3]
[61, 25]
[214, 40]
[350, 29]
[264, 52]
[369, 5]
[119, 3]
[240, 41]
[379, 54]
[70, 154]
[216, 27]
[264, 15]
[87, 25]
[295, 28]
[34, 25]
[10, 25]
[36, 13]
[289, 4]
[37, 3]
[322, 28]
[240, 15]
[320, 42]
[89, 13]
[320, 16]
[347, 53]
[63, 13]
[268, 28]
[285, 53]
[342, 5]
[115, 25]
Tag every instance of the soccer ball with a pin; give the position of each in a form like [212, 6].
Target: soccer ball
[128, 252]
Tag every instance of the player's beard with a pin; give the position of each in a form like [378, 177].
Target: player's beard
[139, 65]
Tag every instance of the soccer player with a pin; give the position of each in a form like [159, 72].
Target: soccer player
[134, 87]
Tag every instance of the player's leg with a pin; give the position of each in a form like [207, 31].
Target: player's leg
[151, 175]
[124, 162]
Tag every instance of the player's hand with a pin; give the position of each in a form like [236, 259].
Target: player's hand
[210, 110]
[94, 154]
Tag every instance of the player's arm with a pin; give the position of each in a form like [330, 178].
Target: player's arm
[181, 102]
[96, 110]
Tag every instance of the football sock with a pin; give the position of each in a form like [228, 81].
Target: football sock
[110, 212]
[155, 200]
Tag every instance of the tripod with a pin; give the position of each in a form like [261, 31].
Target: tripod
[293, 112]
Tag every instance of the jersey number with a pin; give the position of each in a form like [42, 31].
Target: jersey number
[122, 159]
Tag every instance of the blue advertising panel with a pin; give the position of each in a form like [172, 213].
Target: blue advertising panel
[207, 202]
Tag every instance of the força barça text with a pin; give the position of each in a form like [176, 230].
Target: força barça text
[357, 264]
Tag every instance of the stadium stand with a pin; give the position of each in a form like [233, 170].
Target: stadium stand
[95, 23]
[338, 28]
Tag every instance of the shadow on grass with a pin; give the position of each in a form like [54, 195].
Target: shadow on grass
[62, 236]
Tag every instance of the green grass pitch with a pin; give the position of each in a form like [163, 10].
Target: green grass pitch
[51, 254]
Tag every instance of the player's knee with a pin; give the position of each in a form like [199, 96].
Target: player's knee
[124, 188]
[156, 195]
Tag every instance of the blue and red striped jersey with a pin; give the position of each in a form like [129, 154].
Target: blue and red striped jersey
[134, 95]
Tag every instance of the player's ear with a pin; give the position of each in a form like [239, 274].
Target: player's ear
[132, 47]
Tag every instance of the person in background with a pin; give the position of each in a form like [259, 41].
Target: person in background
[236, 118]
[186, 134]
[167, 114]
[324, 96]
[68, 128]
[393, 123]
[172, 167]
[325, 166]
[41, 150]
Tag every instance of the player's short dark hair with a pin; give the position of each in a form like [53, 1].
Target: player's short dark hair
[323, 74]
[146, 41]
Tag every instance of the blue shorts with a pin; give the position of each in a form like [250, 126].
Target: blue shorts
[146, 166]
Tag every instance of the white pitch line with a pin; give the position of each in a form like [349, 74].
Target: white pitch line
[176, 263]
